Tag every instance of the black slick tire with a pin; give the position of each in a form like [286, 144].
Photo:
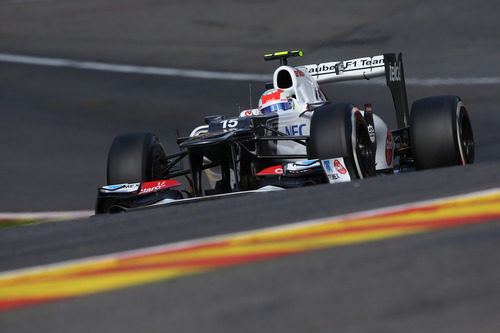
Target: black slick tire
[134, 157]
[441, 132]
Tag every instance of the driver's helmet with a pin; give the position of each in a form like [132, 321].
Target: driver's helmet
[274, 100]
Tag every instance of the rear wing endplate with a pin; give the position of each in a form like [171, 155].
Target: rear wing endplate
[395, 80]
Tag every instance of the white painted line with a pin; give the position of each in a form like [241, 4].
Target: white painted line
[435, 81]
[453, 81]
[217, 238]
[46, 215]
[214, 75]
[132, 69]
[30, 1]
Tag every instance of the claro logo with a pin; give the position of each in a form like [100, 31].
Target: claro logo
[153, 186]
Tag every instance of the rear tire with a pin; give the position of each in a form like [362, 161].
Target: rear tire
[441, 132]
[339, 130]
[134, 157]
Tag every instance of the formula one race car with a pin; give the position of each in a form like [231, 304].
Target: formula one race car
[296, 137]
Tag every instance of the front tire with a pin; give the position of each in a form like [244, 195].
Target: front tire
[134, 157]
[339, 130]
[441, 132]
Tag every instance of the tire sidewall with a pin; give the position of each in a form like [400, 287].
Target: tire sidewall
[436, 132]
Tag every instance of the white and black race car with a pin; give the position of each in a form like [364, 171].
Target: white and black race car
[296, 137]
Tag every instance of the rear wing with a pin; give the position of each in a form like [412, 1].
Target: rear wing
[388, 65]
[354, 69]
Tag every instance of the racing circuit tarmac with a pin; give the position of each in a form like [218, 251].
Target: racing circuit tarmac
[58, 123]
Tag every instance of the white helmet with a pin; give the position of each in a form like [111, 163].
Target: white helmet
[274, 100]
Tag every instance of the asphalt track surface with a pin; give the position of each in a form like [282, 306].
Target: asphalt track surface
[57, 125]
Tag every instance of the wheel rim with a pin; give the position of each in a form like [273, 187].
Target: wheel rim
[157, 162]
[364, 151]
[466, 138]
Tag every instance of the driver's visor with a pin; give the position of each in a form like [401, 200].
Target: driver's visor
[277, 107]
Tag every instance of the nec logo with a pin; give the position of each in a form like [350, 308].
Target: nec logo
[295, 130]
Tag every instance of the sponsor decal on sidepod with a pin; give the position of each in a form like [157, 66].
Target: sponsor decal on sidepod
[295, 130]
